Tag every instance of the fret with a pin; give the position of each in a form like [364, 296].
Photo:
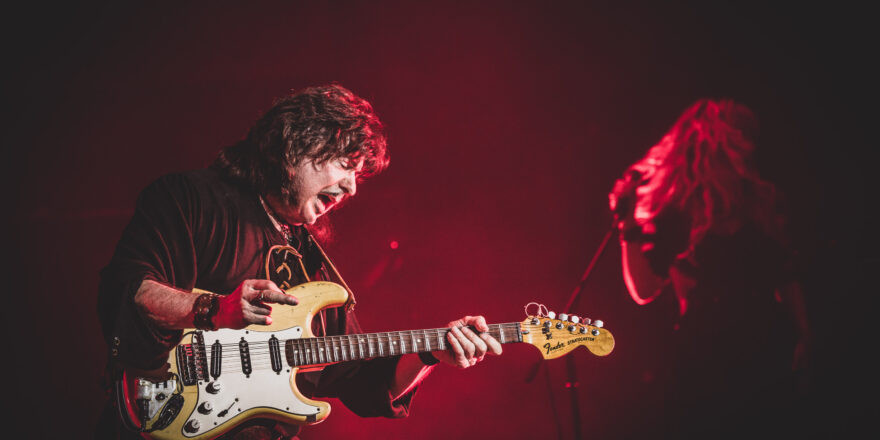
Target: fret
[350, 347]
[342, 351]
[304, 351]
[301, 348]
[391, 343]
[379, 343]
[333, 354]
[500, 335]
[415, 346]
[360, 347]
[313, 351]
[402, 343]
[441, 343]
[294, 343]
[427, 341]
[322, 346]
[317, 344]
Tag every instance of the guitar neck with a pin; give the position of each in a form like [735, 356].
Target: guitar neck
[306, 352]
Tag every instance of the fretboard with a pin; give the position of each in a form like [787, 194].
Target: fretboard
[342, 348]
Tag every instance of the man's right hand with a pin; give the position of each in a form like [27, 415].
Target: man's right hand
[247, 304]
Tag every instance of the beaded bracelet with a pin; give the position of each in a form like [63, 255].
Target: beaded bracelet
[205, 308]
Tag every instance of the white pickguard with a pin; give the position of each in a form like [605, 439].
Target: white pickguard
[263, 388]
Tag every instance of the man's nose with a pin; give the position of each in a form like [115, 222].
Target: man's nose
[349, 183]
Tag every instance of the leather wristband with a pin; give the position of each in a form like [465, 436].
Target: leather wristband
[205, 309]
[428, 358]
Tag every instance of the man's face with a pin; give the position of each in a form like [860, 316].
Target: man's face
[315, 189]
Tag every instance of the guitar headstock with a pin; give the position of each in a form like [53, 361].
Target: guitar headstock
[557, 337]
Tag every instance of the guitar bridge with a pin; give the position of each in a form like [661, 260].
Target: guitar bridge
[192, 361]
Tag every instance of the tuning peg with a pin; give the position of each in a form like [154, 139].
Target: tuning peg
[598, 323]
[551, 314]
[587, 321]
[575, 319]
[563, 317]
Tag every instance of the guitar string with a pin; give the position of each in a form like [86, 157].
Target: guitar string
[309, 358]
[508, 330]
[258, 356]
[254, 347]
[344, 341]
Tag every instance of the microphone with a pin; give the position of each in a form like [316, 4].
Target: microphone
[622, 198]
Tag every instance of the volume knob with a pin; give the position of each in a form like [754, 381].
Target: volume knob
[213, 387]
[192, 426]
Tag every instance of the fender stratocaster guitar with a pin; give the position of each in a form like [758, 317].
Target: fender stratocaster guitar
[219, 379]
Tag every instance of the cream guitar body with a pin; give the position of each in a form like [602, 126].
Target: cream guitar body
[219, 379]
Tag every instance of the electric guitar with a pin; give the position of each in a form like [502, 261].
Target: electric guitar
[219, 379]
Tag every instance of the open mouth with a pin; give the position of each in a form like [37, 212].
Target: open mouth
[326, 201]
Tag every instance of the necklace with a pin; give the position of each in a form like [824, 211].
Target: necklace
[281, 226]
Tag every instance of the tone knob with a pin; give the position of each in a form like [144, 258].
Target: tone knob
[213, 387]
[575, 319]
[563, 317]
[551, 314]
[598, 323]
[206, 408]
[192, 426]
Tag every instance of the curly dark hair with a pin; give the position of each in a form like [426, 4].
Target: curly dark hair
[317, 123]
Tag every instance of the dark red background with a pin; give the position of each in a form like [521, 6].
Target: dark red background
[508, 122]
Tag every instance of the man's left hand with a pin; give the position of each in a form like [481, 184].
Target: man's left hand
[466, 346]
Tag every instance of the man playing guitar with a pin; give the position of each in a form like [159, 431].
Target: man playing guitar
[241, 229]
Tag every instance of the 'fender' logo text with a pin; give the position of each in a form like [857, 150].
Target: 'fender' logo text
[548, 348]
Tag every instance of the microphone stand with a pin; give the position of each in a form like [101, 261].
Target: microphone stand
[571, 369]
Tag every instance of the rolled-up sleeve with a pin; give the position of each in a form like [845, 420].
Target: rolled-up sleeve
[157, 244]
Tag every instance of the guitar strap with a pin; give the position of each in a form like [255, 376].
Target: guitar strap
[279, 261]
